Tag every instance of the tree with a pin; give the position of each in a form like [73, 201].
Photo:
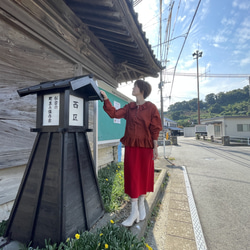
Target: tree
[221, 98]
[216, 108]
[176, 115]
[193, 104]
[210, 99]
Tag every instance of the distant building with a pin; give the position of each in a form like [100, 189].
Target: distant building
[171, 126]
[233, 126]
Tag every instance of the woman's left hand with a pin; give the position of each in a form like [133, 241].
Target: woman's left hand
[155, 149]
[155, 153]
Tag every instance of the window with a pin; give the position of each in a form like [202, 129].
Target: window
[239, 127]
[243, 127]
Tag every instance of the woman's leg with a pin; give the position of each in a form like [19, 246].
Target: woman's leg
[141, 206]
[134, 214]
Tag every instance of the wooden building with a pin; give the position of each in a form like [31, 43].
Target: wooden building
[48, 40]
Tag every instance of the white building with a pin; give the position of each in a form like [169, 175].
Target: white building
[233, 126]
[171, 126]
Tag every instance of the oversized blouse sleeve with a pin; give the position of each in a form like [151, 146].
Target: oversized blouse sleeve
[114, 113]
[155, 125]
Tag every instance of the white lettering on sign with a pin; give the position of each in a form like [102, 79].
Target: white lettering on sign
[75, 111]
[51, 107]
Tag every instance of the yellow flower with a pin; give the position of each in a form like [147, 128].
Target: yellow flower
[148, 247]
[77, 236]
[119, 167]
[106, 246]
[101, 234]
[107, 179]
[112, 221]
[116, 170]
[68, 240]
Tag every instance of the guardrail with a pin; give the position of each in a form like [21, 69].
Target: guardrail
[240, 140]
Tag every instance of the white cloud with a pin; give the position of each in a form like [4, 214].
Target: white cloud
[181, 19]
[220, 39]
[236, 52]
[226, 21]
[205, 8]
[148, 15]
[166, 2]
[242, 5]
[245, 61]
[243, 33]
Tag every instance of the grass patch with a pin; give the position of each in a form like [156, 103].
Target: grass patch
[3, 226]
[153, 217]
[171, 158]
[111, 183]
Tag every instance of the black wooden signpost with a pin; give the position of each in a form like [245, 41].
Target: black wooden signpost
[59, 193]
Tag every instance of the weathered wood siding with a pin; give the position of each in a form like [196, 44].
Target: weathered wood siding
[39, 41]
[24, 62]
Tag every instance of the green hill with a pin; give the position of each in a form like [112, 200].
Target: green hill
[232, 103]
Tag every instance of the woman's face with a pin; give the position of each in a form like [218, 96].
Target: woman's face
[136, 91]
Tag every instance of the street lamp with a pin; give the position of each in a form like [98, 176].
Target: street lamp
[196, 56]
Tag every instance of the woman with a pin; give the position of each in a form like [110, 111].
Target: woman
[143, 124]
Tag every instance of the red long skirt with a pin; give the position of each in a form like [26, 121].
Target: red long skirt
[138, 171]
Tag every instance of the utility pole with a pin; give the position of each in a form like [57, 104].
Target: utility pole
[249, 86]
[196, 56]
[161, 82]
[249, 96]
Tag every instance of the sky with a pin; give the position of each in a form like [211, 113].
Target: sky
[220, 30]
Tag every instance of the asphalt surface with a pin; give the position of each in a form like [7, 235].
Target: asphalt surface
[220, 181]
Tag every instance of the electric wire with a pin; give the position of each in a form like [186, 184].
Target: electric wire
[136, 2]
[184, 45]
[169, 36]
[167, 32]
[208, 75]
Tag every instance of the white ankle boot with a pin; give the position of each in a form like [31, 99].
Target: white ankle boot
[142, 210]
[134, 215]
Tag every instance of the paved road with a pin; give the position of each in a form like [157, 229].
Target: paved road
[220, 181]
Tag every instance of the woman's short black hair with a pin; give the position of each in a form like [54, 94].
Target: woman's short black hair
[144, 87]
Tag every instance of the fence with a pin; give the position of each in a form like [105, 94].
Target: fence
[240, 140]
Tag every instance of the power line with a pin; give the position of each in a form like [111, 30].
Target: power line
[136, 2]
[184, 44]
[207, 75]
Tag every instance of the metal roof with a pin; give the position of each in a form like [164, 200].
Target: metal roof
[116, 25]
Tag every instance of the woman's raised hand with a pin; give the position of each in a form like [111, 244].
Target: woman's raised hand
[103, 93]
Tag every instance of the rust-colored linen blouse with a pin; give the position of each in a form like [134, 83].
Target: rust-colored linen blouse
[143, 123]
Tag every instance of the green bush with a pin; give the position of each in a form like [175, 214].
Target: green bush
[3, 225]
[111, 183]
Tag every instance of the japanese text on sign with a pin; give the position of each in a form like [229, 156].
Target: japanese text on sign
[75, 111]
[51, 107]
